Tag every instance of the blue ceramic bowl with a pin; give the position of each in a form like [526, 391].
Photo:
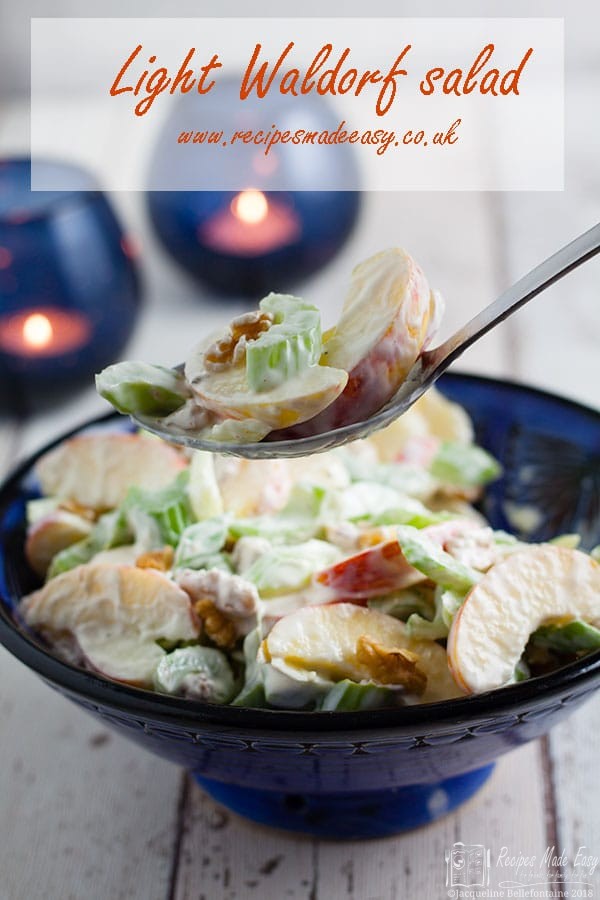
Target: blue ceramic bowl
[63, 251]
[317, 185]
[369, 773]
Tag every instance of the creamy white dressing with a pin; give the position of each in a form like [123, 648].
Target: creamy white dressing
[115, 614]
[523, 517]
[247, 550]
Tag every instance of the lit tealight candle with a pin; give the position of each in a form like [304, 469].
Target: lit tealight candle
[38, 331]
[46, 332]
[251, 226]
[250, 207]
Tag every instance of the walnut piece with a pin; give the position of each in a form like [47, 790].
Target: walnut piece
[233, 598]
[232, 594]
[156, 559]
[217, 626]
[374, 536]
[85, 512]
[231, 349]
[391, 666]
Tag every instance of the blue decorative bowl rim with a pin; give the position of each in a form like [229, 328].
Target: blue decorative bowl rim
[576, 677]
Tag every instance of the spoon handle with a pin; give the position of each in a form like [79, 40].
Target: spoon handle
[552, 269]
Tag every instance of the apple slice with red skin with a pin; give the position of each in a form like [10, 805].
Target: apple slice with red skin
[383, 568]
[540, 584]
[371, 573]
[327, 640]
[383, 328]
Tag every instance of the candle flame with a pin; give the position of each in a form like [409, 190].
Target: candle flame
[37, 330]
[250, 207]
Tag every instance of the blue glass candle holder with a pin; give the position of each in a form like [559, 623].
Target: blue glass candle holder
[69, 288]
[294, 207]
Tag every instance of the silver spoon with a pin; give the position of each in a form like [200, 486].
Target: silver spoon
[427, 369]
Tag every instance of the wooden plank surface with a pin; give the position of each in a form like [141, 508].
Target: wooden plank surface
[573, 747]
[223, 856]
[558, 348]
[83, 813]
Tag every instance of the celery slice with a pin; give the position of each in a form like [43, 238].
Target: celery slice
[109, 531]
[464, 465]
[573, 637]
[203, 489]
[349, 696]
[572, 541]
[199, 545]
[447, 604]
[139, 388]
[405, 603]
[201, 673]
[292, 343]
[429, 558]
[170, 508]
[288, 568]
[298, 521]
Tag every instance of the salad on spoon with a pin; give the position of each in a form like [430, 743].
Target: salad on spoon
[273, 375]
[272, 385]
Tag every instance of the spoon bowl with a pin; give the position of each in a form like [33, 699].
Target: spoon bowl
[426, 370]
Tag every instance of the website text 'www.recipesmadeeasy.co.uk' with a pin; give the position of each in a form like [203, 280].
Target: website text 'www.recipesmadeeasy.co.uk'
[379, 138]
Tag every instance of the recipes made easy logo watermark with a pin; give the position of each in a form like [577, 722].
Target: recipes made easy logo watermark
[467, 865]
[473, 871]
[421, 104]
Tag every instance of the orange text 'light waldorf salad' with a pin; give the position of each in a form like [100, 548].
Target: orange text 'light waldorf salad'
[330, 72]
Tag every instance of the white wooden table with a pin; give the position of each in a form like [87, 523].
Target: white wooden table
[86, 815]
